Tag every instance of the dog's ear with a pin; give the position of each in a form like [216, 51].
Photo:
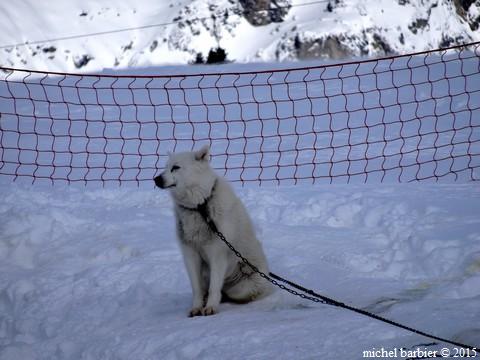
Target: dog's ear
[203, 154]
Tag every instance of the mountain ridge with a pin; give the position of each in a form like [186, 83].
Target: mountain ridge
[247, 30]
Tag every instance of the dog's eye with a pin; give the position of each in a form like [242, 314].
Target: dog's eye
[174, 168]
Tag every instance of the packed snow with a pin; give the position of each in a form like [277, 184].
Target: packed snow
[95, 273]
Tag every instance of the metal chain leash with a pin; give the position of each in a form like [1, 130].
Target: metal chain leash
[268, 277]
[312, 295]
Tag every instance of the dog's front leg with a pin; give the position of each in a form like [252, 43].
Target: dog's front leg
[193, 263]
[218, 263]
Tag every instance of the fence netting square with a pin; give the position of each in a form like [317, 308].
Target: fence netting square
[398, 119]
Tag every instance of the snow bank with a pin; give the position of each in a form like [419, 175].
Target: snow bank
[96, 273]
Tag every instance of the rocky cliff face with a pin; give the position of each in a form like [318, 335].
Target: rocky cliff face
[460, 22]
[246, 30]
[264, 12]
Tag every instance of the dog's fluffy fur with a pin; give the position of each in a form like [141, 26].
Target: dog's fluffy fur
[212, 267]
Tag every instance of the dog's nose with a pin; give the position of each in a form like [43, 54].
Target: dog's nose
[159, 182]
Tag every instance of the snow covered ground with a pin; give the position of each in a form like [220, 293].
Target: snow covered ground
[95, 273]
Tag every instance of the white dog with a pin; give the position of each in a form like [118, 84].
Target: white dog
[212, 267]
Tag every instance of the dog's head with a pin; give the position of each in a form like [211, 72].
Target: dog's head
[187, 172]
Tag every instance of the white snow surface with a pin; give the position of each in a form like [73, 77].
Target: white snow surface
[95, 273]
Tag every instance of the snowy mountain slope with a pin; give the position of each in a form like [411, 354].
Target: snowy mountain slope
[88, 273]
[331, 29]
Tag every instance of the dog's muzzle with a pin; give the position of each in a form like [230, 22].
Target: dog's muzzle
[161, 183]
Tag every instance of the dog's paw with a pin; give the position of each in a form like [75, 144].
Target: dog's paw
[209, 310]
[196, 311]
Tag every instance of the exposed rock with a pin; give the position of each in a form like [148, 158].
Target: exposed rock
[50, 49]
[462, 6]
[154, 45]
[474, 23]
[369, 42]
[329, 47]
[129, 46]
[473, 17]
[82, 61]
[381, 46]
[332, 4]
[450, 41]
[418, 24]
[264, 12]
